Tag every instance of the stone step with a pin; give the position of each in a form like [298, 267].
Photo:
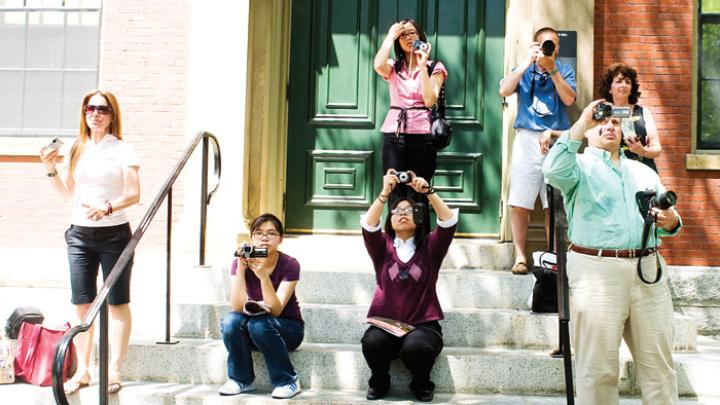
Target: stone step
[458, 370]
[326, 323]
[455, 288]
[329, 252]
[153, 393]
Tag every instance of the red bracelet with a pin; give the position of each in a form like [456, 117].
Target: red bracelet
[109, 207]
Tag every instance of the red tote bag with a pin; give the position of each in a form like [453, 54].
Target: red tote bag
[36, 351]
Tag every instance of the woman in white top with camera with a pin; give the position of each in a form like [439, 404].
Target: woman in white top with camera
[100, 175]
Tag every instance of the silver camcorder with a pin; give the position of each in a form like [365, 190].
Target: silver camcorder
[248, 251]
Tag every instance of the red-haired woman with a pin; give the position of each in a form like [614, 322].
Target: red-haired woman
[100, 175]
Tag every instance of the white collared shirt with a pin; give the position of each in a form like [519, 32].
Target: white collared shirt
[98, 178]
[406, 249]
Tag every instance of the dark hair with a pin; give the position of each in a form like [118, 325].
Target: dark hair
[420, 230]
[544, 30]
[399, 54]
[267, 217]
[628, 72]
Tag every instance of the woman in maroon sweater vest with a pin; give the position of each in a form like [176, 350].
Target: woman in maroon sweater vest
[406, 266]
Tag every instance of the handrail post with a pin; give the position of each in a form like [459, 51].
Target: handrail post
[168, 268]
[103, 385]
[203, 198]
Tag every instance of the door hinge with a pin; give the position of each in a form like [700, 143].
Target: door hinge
[500, 208]
[284, 201]
[287, 91]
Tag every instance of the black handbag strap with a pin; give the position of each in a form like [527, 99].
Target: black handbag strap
[440, 104]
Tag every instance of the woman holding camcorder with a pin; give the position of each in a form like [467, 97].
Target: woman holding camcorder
[405, 310]
[265, 314]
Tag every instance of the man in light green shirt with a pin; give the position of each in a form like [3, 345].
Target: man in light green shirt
[608, 300]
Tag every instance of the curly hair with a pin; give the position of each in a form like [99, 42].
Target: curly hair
[626, 71]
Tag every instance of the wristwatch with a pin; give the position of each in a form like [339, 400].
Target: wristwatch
[552, 72]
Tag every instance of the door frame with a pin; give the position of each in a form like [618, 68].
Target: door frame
[266, 111]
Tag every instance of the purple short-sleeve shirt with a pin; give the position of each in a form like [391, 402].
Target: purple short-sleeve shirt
[286, 269]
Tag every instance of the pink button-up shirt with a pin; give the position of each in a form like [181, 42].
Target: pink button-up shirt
[406, 91]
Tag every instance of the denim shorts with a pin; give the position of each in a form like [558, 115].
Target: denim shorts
[91, 247]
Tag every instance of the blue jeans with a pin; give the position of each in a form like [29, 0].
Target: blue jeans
[273, 337]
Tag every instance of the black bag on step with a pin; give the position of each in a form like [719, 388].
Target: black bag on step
[20, 315]
[544, 296]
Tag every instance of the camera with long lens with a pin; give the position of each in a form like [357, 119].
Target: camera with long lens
[604, 110]
[248, 251]
[403, 177]
[547, 47]
[648, 199]
[419, 45]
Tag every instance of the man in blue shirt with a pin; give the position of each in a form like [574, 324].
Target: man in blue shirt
[545, 88]
[608, 299]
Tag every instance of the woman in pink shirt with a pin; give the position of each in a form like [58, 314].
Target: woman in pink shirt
[407, 144]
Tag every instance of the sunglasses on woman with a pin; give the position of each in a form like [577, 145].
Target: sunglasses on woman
[101, 109]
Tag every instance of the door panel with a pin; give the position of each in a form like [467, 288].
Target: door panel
[338, 103]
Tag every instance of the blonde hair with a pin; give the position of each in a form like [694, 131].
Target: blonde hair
[84, 134]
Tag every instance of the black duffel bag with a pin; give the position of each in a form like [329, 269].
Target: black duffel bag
[20, 315]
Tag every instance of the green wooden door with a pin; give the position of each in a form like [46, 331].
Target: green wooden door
[337, 104]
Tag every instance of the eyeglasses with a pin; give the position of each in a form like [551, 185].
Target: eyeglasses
[411, 34]
[400, 211]
[268, 234]
[101, 109]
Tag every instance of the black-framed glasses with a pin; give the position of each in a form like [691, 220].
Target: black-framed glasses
[269, 234]
[411, 34]
[400, 211]
[101, 109]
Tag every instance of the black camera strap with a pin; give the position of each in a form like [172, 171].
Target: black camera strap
[649, 222]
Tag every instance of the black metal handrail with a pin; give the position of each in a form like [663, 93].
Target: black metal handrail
[99, 305]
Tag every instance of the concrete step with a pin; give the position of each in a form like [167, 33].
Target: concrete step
[458, 370]
[456, 288]
[329, 252]
[327, 323]
[150, 393]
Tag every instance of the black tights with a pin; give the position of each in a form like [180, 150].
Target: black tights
[417, 350]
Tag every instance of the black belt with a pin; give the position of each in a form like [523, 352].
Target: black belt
[402, 116]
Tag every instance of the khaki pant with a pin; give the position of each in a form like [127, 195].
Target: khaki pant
[608, 302]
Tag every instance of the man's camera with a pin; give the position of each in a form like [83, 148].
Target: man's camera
[248, 251]
[649, 198]
[403, 177]
[419, 45]
[604, 110]
[547, 47]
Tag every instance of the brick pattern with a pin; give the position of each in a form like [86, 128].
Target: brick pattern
[143, 61]
[656, 37]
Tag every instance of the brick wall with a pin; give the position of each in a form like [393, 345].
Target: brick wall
[656, 37]
[143, 61]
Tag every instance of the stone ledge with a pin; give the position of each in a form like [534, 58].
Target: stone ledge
[696, 161]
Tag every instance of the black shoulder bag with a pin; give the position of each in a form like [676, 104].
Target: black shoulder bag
[440, 129]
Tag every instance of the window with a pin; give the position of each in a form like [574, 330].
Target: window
[709, 75]
[48, 61]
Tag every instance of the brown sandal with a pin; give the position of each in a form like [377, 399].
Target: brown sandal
[114, 387]
[72, 386]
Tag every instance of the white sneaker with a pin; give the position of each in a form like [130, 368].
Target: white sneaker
[232, 387]
[287, 391]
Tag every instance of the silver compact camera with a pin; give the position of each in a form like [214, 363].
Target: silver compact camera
[419, 45]
[403, 177]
